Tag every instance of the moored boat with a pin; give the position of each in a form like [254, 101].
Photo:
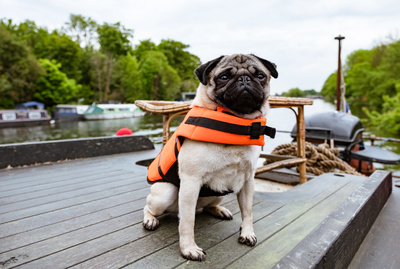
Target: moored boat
[69, 112]
[112, 111]
[30, 113]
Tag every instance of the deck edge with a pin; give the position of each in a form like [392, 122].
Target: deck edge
[335, 241]
[15, 155]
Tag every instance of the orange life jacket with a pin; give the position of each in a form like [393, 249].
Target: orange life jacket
[209, 126]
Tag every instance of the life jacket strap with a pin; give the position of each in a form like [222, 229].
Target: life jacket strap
[255, 130]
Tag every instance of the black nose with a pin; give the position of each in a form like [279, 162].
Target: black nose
[244, 81]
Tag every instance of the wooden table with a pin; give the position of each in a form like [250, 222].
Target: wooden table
[169, 110]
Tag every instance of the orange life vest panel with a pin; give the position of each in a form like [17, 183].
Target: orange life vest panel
[206, 125]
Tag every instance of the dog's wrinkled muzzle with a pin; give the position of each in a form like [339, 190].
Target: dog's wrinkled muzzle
[243, 96]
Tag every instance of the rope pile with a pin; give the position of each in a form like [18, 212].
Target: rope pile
[320, 159]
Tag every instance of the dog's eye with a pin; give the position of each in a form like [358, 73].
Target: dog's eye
[261, 76]
[224, 77]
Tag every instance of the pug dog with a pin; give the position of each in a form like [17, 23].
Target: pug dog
[240, 84]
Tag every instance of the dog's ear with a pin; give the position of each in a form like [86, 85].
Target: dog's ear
[204, 70]
[269, 65]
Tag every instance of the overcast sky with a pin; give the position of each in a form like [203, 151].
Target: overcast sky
[296, 35]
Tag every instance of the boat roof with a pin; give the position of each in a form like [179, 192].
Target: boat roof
[63, 105]
[30, 104]
[115, 105]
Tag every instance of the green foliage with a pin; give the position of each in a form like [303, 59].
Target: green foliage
[160, 80]
[90, 62]
[295, 92]
[19, 69]
[180, 59]
[329, 88]
[372, 84]
[389, 120]
[51, 45]
[55, 87]
[127, 79]
[114, 42]
[143, 47]
[114, 39]
[82, 29]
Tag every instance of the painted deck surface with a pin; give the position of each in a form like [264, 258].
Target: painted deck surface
[87, 213]
[381, 247]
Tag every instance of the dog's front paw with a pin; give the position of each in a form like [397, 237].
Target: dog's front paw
[249, 239]
[194, 253]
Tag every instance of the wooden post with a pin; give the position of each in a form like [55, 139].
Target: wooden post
[165, 129]
[301, 144]
[339, 75]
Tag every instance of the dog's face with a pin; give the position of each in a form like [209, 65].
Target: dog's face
[238, 83]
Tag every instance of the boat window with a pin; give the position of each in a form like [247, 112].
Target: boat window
[110, 109]
[9, 116]
[34, 115]
[124, 109]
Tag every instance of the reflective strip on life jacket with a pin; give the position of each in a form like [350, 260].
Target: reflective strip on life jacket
[209, 126]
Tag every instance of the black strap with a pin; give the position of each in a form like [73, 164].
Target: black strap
[255, 130]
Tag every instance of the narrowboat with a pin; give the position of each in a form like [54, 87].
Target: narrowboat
[30, 113]
[69, 112]
[112, 111]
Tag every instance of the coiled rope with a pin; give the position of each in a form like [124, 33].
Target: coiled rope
[320, 159]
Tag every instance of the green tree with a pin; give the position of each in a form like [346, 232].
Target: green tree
[19, 69]
[160, 80]
[55, 87]
[55, 45]
[182, 61]
[114, 42]
[329, 88]
[127, 79]
[369, 75]
[143, 47]
[82, 29]
[389, 120]
[295, 92]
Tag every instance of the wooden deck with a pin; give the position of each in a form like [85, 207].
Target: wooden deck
[87, 213]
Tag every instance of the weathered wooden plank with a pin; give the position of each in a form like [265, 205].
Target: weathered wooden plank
[206, 237]
[124, 228]
[282, 163]
[73, 201]
[105, 237]
[380, 247]
[45, 191]
[39, 181]
[67, 198]
[334, 243]
[49, 171]
[67, 213]
[54, 230]
[160, 243]
[273, 227]
[65, 171]
[274, 248]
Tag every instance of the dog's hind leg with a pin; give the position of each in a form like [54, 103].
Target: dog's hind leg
[211, 205]
[162, 197]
